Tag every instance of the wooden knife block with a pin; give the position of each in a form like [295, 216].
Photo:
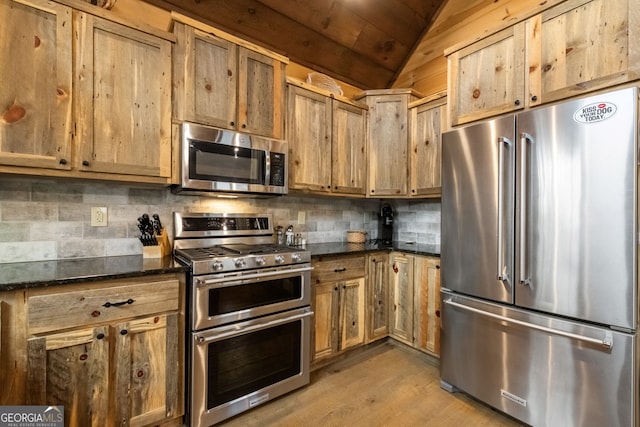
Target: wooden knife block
[162, 249]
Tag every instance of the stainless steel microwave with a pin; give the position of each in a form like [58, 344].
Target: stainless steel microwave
[227, 162]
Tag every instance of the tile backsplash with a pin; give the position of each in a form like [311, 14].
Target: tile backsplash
[44, 219]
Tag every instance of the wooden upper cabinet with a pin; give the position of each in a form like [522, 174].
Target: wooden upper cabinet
[580, 46]
[487, 77]
[123, 99]
[428, 119]
[348, 148]
[309, 138]
[36, 89]
[220, 83]
[327, 143]
[388, 142]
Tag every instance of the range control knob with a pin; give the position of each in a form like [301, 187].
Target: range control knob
[296, 257]
[241, 263]
[260, 261]
[217, 266]
[279, 259]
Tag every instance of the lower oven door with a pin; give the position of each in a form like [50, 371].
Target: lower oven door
[226, 298]
[236, 367]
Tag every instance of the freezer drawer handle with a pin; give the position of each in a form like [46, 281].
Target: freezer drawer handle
[502, 268]
[607, 342]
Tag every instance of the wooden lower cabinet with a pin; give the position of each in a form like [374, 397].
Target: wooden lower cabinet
[414, 294]
[114, 359]
[338, 302]
[377, 297]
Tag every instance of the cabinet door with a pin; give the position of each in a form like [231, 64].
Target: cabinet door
[261, 86]
[388, 145]
[205, 78]
[308, 133]
[487, 78]
[401, 298]
[378, 297]
[146, 388]
[352, 304]
[427, 304]
[325, 309]
[35, 93]
[427, 123]
[348, 148]
[123, 99]
[71, 369]
[566, 57]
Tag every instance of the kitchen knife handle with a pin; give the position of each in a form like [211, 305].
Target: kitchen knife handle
[502, 273]
[524, 138]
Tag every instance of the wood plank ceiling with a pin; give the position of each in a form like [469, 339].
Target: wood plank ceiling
[362, 42]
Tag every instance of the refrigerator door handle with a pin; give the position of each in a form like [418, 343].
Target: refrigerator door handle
[524, 137]
[606, 342]
[502, 267]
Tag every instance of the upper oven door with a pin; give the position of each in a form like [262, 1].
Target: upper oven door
[220, 299]
[221, 160]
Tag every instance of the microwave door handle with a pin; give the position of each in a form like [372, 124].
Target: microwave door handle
[267, 167]
[239, 279]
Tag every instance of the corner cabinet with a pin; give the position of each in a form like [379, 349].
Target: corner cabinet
[111, 352]
[338, 302]
[427, 121]
[83, 96]
[225, 82]
[377, 297]
[414, 293]
[327, 143]
[388, 142]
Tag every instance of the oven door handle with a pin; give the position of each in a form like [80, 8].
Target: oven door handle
[241, 330]
[239, 279]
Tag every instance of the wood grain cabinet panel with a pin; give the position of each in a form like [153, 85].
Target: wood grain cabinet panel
[36, 89]
[339, 305]
[121, 368]
[580, 46]
[401, 298]
[220, 83]
[388, 142]
[487, 77]
[123, 100]
[327, 143]
[377, 297]
[427, 122]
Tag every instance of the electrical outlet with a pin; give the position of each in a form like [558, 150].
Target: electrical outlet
[99, 217]
[301, 217]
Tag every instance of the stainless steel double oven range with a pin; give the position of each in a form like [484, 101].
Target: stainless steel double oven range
[249, 313]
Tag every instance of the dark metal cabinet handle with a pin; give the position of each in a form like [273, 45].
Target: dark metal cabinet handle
[118, 304]
[63, 161]
[85, 163]
[339, 270]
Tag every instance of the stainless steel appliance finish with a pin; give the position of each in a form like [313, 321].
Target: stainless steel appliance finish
[248, 310]
[226, 162]
[539, 236]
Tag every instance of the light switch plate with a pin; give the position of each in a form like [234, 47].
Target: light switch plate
[301, 217]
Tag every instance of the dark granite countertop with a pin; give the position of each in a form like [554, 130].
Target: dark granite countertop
[22, 275]
[343, 248]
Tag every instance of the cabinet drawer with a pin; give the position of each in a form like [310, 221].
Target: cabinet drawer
[338, 268]
[68, 309]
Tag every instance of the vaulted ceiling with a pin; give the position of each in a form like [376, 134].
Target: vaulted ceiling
[362, 42]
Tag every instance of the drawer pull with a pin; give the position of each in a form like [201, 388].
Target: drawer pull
[339, 270]
[118, 304]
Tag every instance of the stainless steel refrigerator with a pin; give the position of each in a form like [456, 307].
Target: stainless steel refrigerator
[539, 262]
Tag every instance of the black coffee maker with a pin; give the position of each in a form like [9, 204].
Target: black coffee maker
[385, 224]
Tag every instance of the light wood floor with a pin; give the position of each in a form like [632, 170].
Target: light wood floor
[384, 386]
